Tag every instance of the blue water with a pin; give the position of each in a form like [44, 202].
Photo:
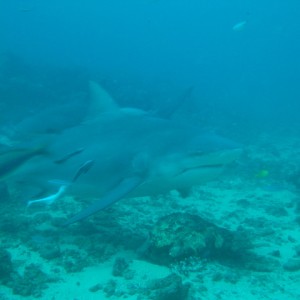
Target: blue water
[167, 45]
[229, 67]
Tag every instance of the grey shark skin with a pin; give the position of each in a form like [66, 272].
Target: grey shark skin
[126, 153]
[132, 154]
[53, 120]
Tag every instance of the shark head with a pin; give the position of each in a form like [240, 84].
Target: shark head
[193, 161]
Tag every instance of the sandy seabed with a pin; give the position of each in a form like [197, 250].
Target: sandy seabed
[264, 206]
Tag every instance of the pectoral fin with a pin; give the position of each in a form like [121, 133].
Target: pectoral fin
[121, 190]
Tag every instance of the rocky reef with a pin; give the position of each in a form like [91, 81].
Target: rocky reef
[6, 267]
[181, 235]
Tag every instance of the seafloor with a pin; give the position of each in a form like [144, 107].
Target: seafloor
[235, 238]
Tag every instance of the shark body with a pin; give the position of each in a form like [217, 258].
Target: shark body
[127, 152]
[130, 155]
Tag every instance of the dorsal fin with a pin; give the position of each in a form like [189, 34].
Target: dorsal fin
[101, 101]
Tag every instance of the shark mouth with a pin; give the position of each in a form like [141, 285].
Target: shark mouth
[202, 168]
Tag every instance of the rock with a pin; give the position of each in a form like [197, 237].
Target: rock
[181, 235]
[277, 211]
[275, 253]
[31, 283]
[120, 266]
[297, 249]
[292, 265]
[13, 225]
[4, 193]
[168, 288]
[6, 267]
[110, 288]
[50, 252]
[73, 260]
[95, 288]
[261, 263]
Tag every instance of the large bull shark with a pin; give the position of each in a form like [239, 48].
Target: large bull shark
[126, 152]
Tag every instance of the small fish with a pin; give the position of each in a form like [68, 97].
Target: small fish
[262, 174]
[83, 169]
[25, 9]
[239, 26]
[68, 156]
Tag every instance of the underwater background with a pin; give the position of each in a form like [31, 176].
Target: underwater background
[235, 65]
[248, 74]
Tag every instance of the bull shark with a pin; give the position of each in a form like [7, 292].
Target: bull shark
[12, 159]
[14, 148]
[126, 152]
[56, 118]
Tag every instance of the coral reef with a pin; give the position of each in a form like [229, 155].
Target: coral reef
[168, 288]
[6, 267]
[121, 268]
[32, 283]
[182, 235]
